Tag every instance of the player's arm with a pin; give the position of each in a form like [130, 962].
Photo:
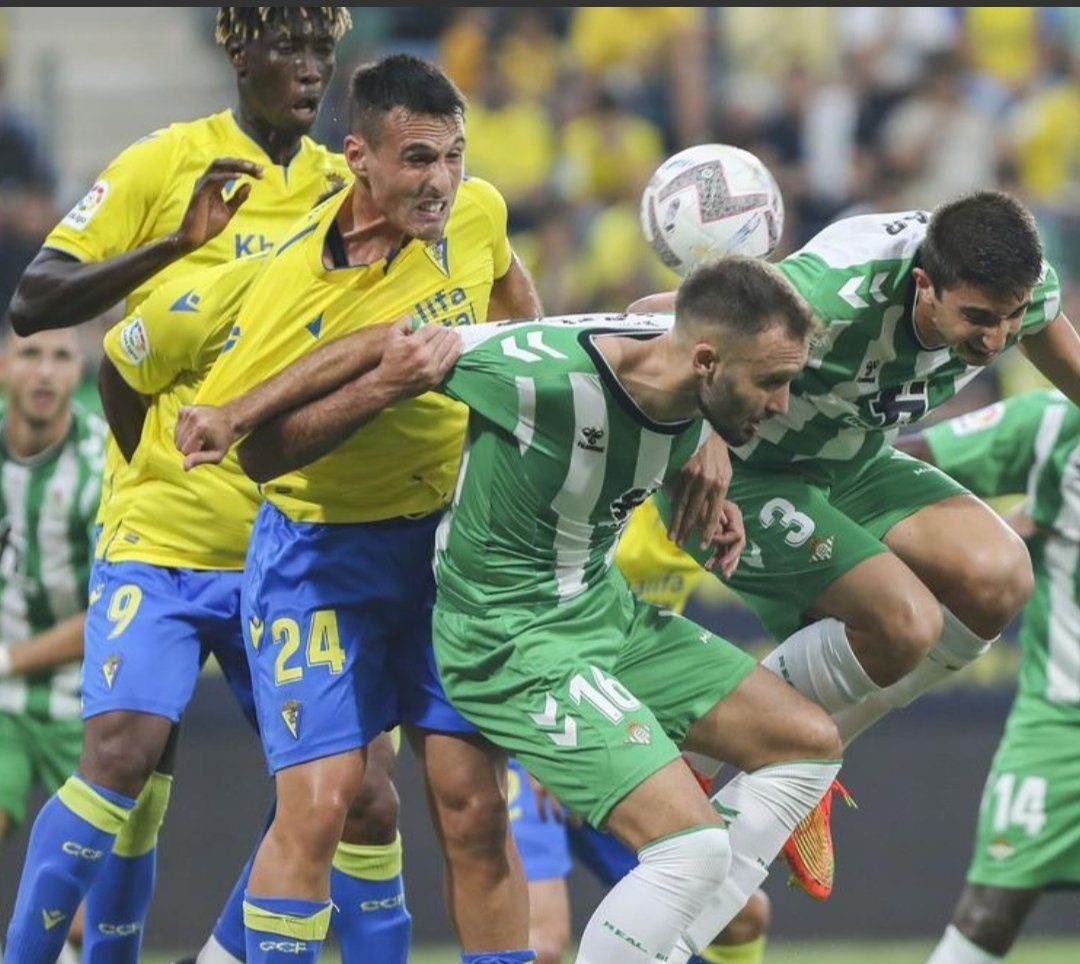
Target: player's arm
[661, 303]
[205, 433]
[1055, 351]
[56, 646]
[58, 290]
[698, 494]
[409, 364]
[125, 409]
[514, 295]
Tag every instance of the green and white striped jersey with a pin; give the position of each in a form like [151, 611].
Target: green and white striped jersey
[1031, 444]
[869, 373]
[47, 507]
[557, 456]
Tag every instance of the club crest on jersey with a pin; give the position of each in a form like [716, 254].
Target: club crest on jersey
[638, 733]
[591, 439]
[1000, 849]
[821, 548]
[439, 255]
[110, 668]
[83, 212]
[290, 713]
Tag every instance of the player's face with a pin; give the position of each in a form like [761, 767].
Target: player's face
[746, 380]
[40, 373]
[974, 324]
[284, 73]
[414, 173]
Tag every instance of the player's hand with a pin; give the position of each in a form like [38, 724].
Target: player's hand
[698, 493]
[414, 362]
[729, 544]
[547, 805]
[204, 435]
[208, 211]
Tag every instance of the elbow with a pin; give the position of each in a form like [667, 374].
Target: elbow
[255, 467]
[22, 320]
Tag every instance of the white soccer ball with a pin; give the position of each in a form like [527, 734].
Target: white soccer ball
[711, 200]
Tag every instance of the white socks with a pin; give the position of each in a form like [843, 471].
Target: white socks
[765, 807]
[957, 647]
[818, 661]
[644, 913]
[214, 953]
[954, 948]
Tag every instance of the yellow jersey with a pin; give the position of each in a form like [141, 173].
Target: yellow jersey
[405, 461]
[158, 513]
[658, 570]
[143, 194]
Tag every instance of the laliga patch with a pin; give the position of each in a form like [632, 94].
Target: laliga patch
[134, 342]
[83, 212]
[976, 421]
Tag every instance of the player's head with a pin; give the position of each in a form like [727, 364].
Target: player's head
[406, 142]
[40, 372]
[284, 59]
[746, 331]
[979, 261]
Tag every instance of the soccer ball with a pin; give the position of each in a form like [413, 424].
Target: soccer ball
[711, 200]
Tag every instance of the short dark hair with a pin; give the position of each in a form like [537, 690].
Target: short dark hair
[399, 80]
[246, 23]
[746, 295]
[986, 239]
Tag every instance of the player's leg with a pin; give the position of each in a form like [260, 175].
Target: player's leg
[140, 664]
[711, 698]
[314, 603]
[975, 565]
[541, 839]
[371, 920]
[1028, 834]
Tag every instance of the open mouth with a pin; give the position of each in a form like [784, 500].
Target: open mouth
[307, 106]
[432, 210]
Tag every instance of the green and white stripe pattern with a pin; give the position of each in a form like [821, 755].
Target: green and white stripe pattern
[47, 507]
[869, 374]
[1031, 444]
[558, 455]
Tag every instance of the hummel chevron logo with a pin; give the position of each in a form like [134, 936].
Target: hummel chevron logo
[566, 735]
[255, 627]
[52, 918]
[188, 301]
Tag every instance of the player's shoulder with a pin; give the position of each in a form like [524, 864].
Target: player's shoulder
[476, 193]
[320, 156]
[537, 334]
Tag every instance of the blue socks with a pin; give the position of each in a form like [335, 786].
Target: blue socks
[283, 930]
[71, 839]
[370, 919]
[499, 957]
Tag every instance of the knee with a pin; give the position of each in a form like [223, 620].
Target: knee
[818, 737]
[118, 757]
[750, 923]
[314, 825]
[904, 628]
[474, 824]
[373, 816]
[992, 587]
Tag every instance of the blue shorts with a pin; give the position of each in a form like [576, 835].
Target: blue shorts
[338, 619]
[541, 842]
[149, 629]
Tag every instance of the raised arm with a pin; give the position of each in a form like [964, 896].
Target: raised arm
[410, 363]
[661, 302]
[514, 295]
[1055, 351]
[59, 291]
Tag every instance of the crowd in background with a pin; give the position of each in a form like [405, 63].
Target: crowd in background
[572, 108]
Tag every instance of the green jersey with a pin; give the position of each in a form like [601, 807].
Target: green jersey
[1031, 444]
[869, 373]
[47, 507]
[557, 456]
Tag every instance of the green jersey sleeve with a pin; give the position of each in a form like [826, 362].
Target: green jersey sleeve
[993, 450]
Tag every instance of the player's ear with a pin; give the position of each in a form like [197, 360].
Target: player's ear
[237, 55]
[355, 149]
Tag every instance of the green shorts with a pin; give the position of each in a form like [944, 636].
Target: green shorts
[593, 695]
[35, 751]
[1028, 834]
[809, 523]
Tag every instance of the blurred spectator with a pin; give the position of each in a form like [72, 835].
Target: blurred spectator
[462, 48]
[530, 53]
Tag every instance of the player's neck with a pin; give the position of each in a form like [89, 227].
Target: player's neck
[652, 374]
[925, 330]
[279, 146]
[367, 233]
[27, 440]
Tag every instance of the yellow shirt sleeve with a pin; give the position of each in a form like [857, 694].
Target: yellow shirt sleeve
[493, 204]
[117, 213]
